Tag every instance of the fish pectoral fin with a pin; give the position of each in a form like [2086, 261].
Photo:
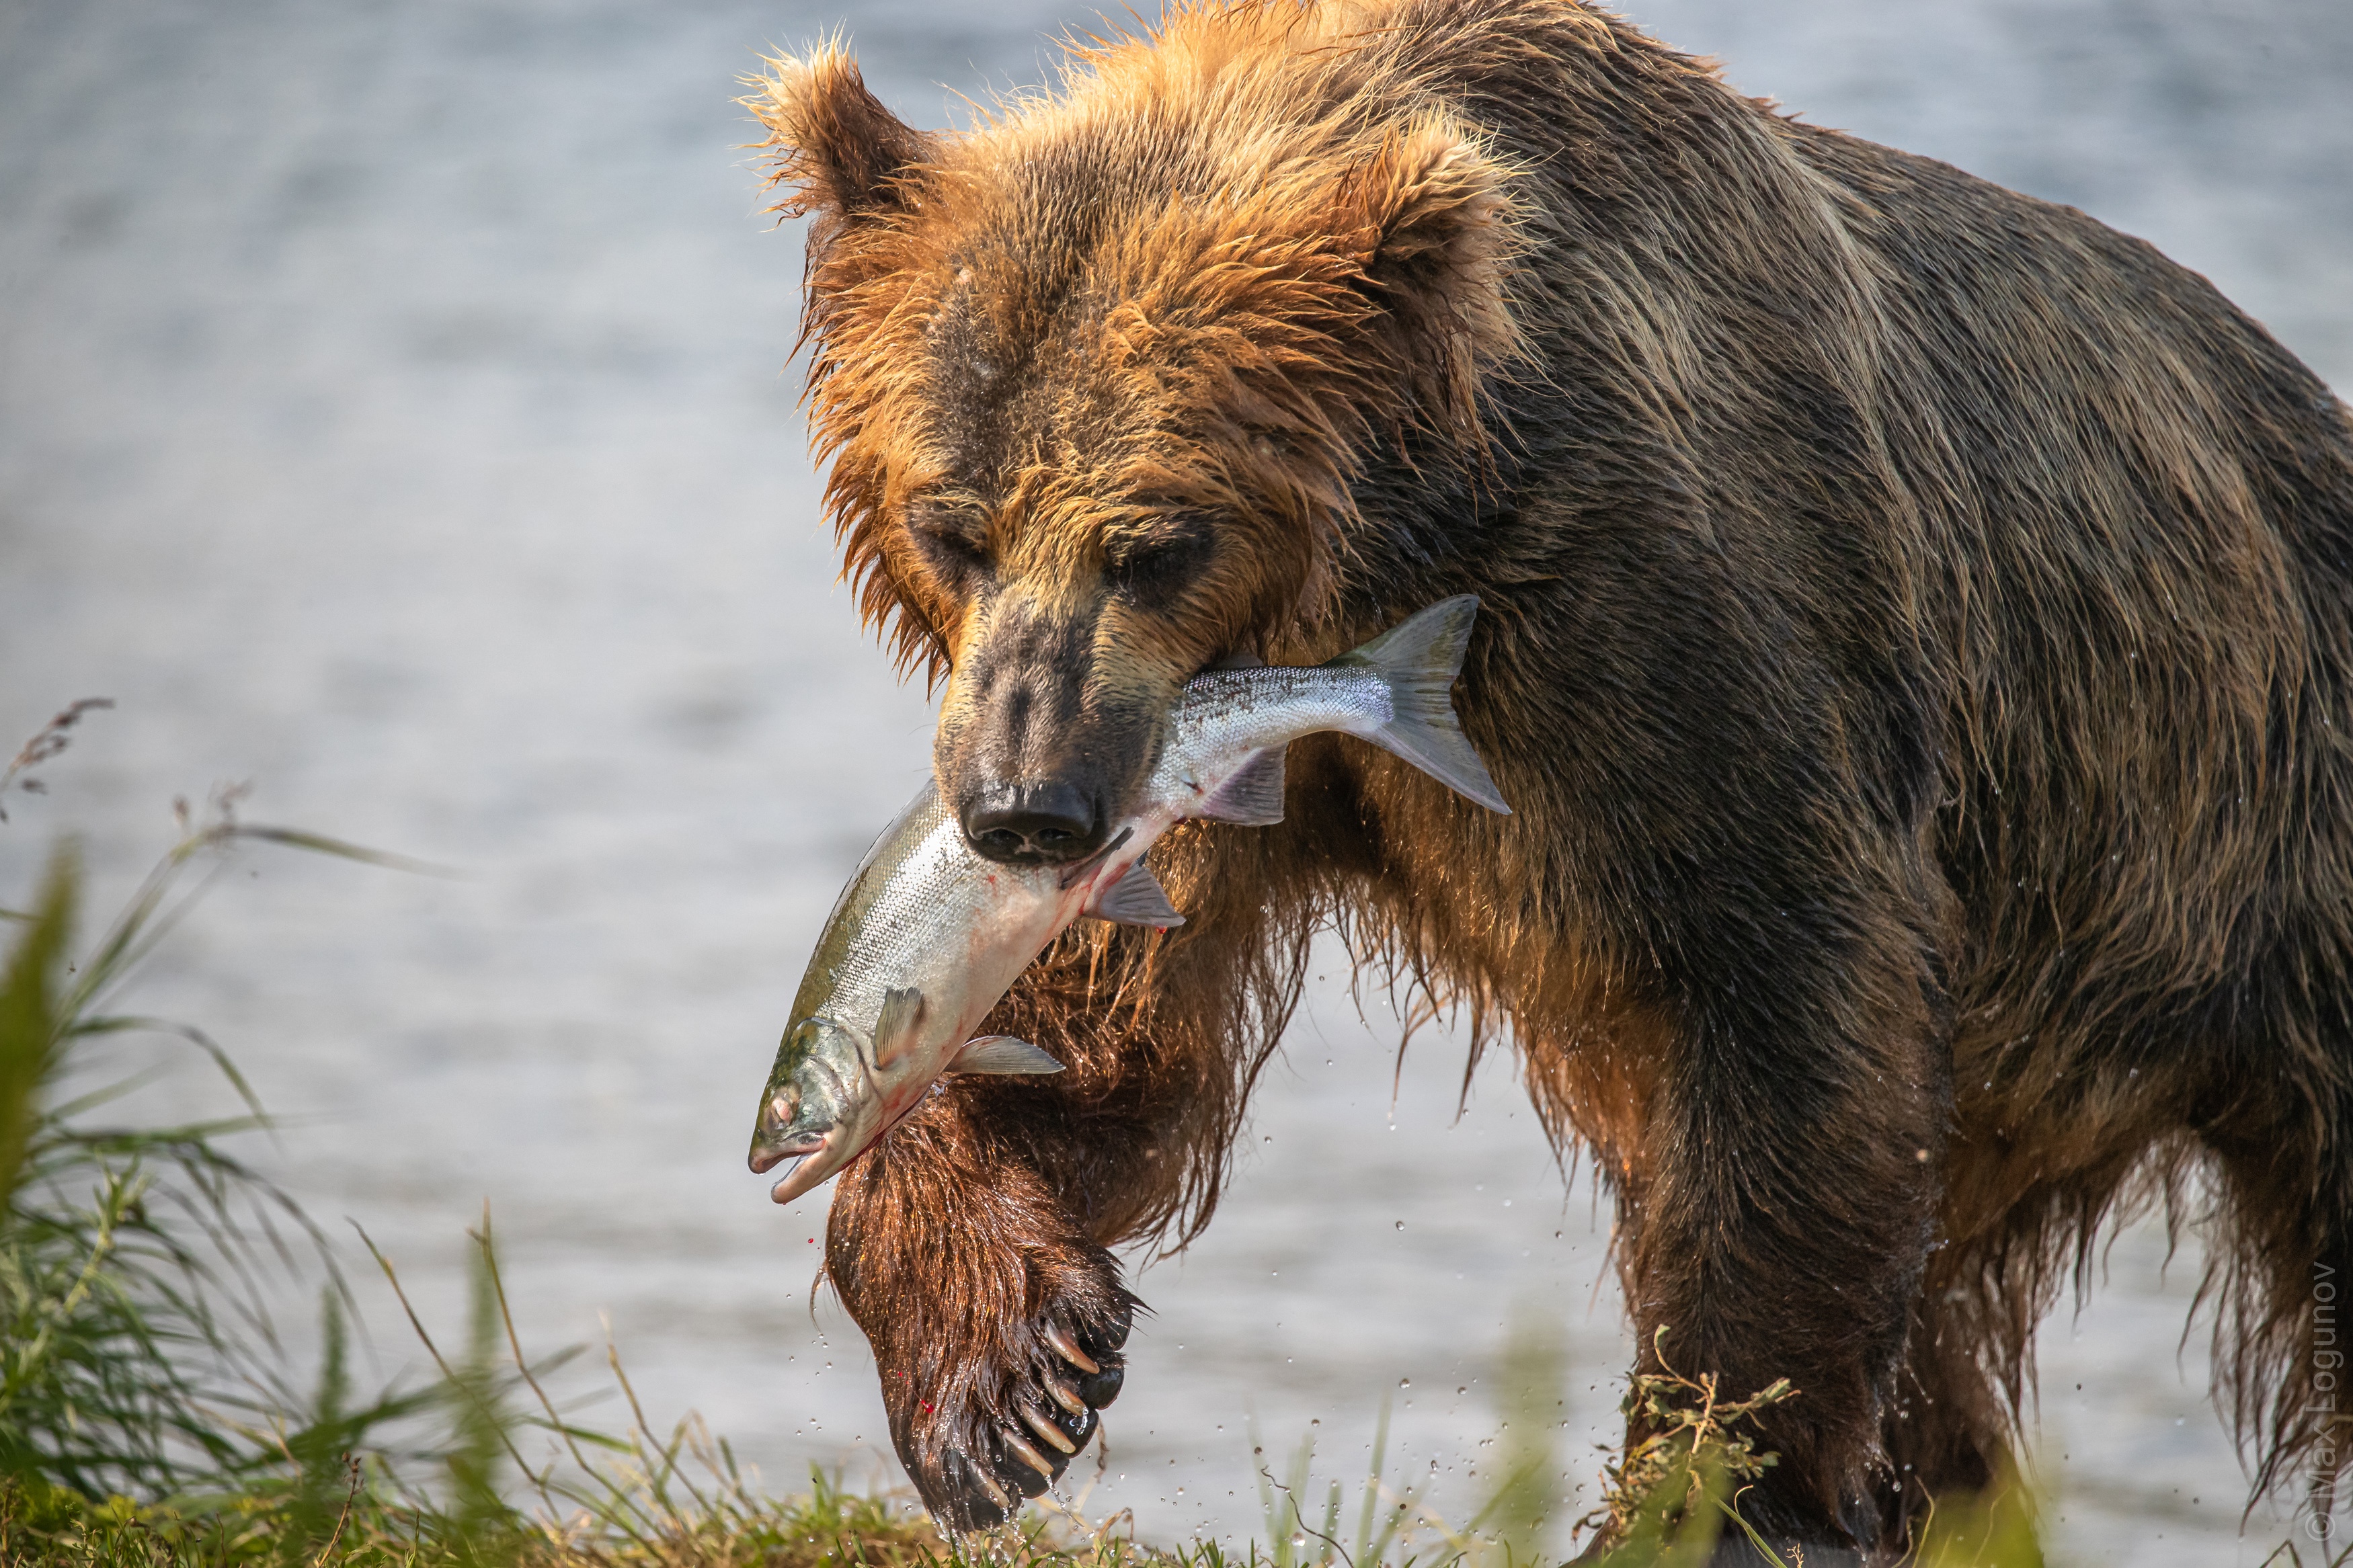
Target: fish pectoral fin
[1137, 899]
[896, 1027]
[1252, 797]
[1002, 1054]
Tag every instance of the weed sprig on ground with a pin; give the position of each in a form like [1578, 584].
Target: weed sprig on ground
[1681, 1483]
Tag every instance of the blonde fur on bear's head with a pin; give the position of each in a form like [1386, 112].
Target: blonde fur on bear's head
[1238, 247]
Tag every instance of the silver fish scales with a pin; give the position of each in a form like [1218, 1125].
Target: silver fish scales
[929, 935]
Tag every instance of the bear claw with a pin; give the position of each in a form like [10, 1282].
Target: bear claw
[1028, 1456]
[1049, 1431]
[1068, 1348]
[1066, 1396]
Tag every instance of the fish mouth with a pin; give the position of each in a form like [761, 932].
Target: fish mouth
[792, 1123]
[789, 1130]
[783, 1133]
[821, 1154]
[813, 1165]
[766, 1156]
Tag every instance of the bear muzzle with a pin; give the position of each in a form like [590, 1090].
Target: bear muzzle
[1032, 821]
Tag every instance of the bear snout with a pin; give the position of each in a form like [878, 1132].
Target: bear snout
[1050, 727]
[1031, 822]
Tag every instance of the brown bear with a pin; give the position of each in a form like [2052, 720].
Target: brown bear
[1915, 620]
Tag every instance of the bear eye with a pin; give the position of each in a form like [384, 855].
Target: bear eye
[953, 544]
[1156, 569]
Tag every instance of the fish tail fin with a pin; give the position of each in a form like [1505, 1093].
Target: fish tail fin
[1420, 658]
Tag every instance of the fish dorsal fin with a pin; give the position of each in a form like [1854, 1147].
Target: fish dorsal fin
[1252, 797]
[1002, 1054]
[1137, 899]
[895, 1026]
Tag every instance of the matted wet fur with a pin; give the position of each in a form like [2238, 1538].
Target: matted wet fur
[1915, 621]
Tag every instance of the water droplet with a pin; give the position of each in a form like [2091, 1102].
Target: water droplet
[1401, 1224]
[1405, 1383]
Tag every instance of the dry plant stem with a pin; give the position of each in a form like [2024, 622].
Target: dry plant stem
[46, 742]
[555, 1422]
[637, 1414]
[1300, 1520]
[341, 1520]
[448, 1374]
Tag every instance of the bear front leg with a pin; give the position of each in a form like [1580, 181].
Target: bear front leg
[971, 1243]
[1778, 1212]
[995, 1321]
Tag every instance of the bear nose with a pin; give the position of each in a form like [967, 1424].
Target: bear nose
[1038, 823]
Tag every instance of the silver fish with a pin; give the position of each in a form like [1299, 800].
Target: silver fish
[929, 935]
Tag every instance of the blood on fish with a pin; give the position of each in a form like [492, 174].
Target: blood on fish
[917, 953]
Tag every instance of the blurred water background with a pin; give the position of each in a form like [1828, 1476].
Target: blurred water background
[393, 414]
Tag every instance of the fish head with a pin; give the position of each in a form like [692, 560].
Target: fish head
[817, 1107]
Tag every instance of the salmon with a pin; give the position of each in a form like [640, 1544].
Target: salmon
[929, 935]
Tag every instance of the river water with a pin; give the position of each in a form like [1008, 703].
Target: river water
[393, 414]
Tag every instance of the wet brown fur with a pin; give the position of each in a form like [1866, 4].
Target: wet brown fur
[1915, 623]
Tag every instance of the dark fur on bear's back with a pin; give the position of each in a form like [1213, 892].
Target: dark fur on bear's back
[1914, 638]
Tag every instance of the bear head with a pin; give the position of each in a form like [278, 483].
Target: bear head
[1095, 376]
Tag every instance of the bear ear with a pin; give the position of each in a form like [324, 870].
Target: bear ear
[1429, 217]
[837, 150]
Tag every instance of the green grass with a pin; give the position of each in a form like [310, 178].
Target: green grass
[145, 1420]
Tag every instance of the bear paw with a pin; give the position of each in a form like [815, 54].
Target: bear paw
[1013, 1441]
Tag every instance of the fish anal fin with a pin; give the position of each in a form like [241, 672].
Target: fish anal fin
[1252, 797]
[1002, 1054]
[896, 1027]
[1137, 899]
